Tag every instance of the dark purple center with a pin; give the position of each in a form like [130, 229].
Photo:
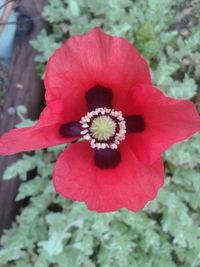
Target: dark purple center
[107, 158]
[101, 97]
[134, 124]
[70, 129]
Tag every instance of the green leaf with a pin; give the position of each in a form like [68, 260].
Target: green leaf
[21, 167]
[74, 8]
[54, 245]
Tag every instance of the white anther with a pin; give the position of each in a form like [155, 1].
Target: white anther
[85, 119]
[87, 137]
[85, 125]
[84, 132]
[122, 123]
[91, 114]
[120, 118]
[103, 146]
[123, 126]
[113, 146]
[112, 113]
[117, 136]
[92, 141]
[98, 145]
[93, 145]
[122, 132]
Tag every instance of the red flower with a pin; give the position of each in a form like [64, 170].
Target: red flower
[99, 88]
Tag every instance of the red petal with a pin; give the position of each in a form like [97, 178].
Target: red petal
[130, 185]
[90, 59]
[44, 134]
[167, 121]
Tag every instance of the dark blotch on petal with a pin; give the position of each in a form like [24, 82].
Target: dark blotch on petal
[134, 124]
[70, 129]
[99, 97]
[107, 158]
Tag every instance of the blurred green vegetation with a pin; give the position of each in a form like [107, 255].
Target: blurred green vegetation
[52, 231]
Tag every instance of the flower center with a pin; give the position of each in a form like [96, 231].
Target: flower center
[103, 128]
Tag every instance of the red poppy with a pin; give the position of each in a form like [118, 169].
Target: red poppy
[99, 88]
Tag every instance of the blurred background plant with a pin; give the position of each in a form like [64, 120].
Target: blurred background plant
[52, 231]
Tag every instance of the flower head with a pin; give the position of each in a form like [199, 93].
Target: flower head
[98, 88]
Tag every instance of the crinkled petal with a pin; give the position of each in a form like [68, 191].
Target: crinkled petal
[44, 134]
[167, 121]
[130, 185]
[94, 58]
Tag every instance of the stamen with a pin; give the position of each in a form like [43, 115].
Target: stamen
[103, 128]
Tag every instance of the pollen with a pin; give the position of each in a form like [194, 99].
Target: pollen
[103, 127]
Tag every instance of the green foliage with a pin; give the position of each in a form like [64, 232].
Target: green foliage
[147, 41]
[52, 231]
